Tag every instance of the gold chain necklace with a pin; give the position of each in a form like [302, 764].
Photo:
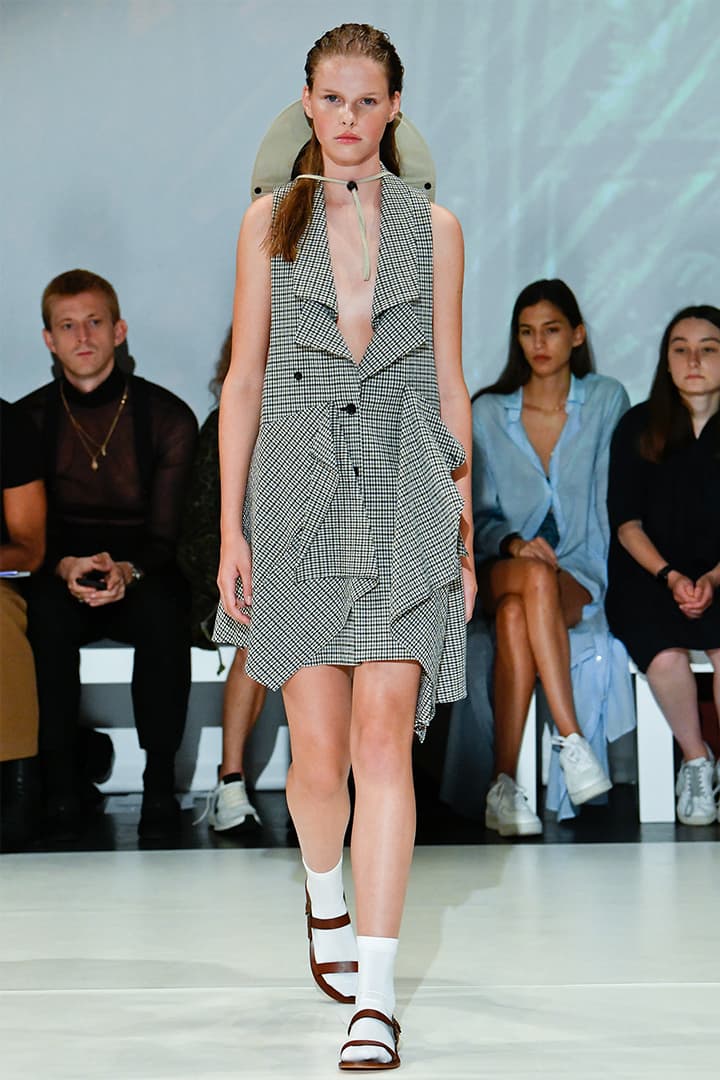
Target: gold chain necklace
[91, 446]
[542, 409]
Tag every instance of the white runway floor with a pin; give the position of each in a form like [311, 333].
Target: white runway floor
[520, 961]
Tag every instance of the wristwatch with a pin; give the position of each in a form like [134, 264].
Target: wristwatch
[664, 573]
[136, 574]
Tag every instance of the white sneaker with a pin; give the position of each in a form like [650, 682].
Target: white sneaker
[584, 775]
[228, 806]
[694, 790]
[716, 786]
[508, 811]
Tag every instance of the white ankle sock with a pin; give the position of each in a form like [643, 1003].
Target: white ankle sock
[376, 990]
[328, 901]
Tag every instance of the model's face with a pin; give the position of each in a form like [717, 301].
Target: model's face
[547, 339]
[83, 337]
[350, 107]
[694, 357]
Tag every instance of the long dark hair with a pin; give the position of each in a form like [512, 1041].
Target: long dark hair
[517, 371]
[669, 422]
[350, 39]
[221, 366]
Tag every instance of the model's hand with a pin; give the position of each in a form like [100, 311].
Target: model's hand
[469, 587]
[701, 598]
[235, 562]
[534, 549]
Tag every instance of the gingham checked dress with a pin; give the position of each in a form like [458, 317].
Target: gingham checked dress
[351, 511]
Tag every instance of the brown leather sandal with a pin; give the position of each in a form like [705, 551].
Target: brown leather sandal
[373, 1014]
[332, 967]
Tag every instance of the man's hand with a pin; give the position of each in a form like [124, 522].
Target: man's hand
[117, 576]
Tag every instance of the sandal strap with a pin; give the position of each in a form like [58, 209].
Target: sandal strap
[314, 923]
[375, 1014]
[394, 1056]
[327, 924]
[330, 967]
[335, 967]
[391, 1022]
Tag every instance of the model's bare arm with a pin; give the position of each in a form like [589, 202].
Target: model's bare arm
[240, 400]
[448, 268]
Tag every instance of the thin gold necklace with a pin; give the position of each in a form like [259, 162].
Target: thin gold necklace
[542, 409]
[91, 446]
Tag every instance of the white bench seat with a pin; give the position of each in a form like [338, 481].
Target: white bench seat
[111, 664]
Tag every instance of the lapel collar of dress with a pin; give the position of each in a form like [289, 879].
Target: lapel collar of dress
[396, 326]
[312, 270]
[397, 276]
[512, 403]
[396, 329]
[576, 393]
[314, 286]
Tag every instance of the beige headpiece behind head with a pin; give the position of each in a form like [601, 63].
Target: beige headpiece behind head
[289, 132]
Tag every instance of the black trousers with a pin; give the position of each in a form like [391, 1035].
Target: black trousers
[153, 616]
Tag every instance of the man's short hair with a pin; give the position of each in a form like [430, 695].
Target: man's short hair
[73, 282]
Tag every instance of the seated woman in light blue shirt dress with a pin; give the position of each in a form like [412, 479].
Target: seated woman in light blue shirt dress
[541, 438]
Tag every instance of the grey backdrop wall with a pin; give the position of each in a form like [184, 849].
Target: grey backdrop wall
[573, 138]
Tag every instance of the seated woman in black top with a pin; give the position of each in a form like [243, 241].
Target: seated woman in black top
[664, 569]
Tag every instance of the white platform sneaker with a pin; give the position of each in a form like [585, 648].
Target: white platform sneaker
[584, 775]
[694, 790]
[508, 811]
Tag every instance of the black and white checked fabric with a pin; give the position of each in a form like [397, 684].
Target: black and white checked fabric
[351, 510]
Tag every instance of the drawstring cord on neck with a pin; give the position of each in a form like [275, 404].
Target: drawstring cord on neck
[352, 186]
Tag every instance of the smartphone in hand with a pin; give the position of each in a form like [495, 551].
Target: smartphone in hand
[93, 579]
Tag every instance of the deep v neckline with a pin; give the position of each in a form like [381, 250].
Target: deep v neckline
[374, 294]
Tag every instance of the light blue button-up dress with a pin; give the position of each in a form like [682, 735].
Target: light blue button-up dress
[511, 493]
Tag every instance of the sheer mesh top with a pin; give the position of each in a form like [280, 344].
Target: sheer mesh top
[132, 503]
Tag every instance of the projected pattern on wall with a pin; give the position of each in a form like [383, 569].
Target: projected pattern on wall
[573, 138]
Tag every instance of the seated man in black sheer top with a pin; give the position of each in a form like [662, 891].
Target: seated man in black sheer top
[117, 450]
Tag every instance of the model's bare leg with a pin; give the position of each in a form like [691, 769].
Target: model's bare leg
[552, 602]
[318, 706]
[675, 690]
[514, 680]
[318, 703]
[384, 703]
[242, 704]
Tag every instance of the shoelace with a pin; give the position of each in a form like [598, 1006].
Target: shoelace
[352, 186]
[573, 750]
[696, 782]
[517, 793]
[520, 797]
